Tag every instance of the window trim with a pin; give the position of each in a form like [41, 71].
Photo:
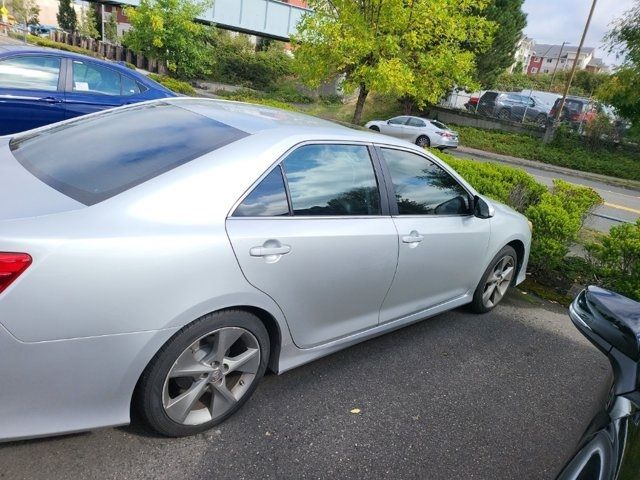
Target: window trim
[377, 171]
[391, 194]
[62, 74]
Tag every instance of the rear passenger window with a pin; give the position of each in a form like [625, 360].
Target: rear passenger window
[332, 180]
[92, 78]
[268, 199]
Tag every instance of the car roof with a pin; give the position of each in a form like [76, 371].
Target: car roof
[30, 49]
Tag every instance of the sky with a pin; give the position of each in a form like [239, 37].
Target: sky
[556, 21]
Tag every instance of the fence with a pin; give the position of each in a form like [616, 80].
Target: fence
[110, 51]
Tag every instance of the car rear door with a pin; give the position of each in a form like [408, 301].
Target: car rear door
[414, 128]
[91, 87]
[442, 246]
[316, 236]
[30, 92]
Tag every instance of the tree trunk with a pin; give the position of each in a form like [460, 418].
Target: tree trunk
[362, 96]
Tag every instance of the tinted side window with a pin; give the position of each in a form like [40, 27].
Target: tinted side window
[332, 180]
[129, 86]
[92, 78]
[30, 73]
[416, 122]
[422, 187]
[268, 199]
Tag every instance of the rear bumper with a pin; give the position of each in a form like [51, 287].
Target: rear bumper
[66, 386]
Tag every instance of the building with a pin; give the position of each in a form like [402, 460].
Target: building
[547, 58]
[522, 55]
[276, 19]
[597, 65]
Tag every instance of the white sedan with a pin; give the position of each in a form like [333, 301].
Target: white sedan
[421, 131]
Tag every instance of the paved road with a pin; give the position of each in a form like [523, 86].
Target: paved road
[620, 204]
[504, 395]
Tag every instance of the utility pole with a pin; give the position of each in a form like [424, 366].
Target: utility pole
[556, 67]
[551, 130]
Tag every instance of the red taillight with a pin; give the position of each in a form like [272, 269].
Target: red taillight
[11, 266]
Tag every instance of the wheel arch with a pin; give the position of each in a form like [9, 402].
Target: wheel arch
[518, 246]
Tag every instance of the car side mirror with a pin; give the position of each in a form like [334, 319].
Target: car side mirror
[482, 208]
[388, 122]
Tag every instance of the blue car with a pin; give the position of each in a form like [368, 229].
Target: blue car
[39, 86]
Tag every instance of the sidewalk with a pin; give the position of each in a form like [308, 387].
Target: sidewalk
[619, 182]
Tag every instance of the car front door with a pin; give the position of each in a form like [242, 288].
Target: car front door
[414, 128]
[315, 235]
[394, 127]
[30, 92]
[442, 245]
[92, 87]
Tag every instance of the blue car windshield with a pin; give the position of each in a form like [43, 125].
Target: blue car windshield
[92, 159]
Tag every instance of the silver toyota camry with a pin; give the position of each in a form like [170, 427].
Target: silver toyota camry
[421, 131]
[165, 255]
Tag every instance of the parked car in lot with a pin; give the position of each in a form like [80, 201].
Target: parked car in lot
[610, 445]
[521, 107]
[577, 110]
[39, 86]
[421, 131]
[166, 254]
[486, 104]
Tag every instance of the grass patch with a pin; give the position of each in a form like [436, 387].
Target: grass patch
[172, 84]
[570, 152]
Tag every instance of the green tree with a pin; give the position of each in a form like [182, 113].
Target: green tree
[88, 25]
[67, 17]
[511, 20]
[409, 48]
[165, 30]
[111, 29]
[621, 90]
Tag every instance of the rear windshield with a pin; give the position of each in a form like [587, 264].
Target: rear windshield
[95, 158]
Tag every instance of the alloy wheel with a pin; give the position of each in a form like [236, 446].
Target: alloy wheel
[498, 282]
[211, 376]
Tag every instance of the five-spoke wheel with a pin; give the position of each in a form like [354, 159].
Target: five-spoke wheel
[496, 281]
[204, 373]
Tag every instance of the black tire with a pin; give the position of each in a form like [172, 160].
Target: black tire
[423, 141]
[541, 119]
[149, 391]
[375, 128]
[504, 114]
[478, 305]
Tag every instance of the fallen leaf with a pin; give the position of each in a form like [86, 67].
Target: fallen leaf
[355, 410]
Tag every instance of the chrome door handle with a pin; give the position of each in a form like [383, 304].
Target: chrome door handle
[413, 237]
[266, 251]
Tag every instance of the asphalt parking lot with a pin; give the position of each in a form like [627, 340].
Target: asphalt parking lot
[504, 395]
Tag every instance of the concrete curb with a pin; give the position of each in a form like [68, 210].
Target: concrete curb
[618, 182]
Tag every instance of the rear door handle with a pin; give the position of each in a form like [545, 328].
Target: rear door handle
[413, 237]
[265, 251]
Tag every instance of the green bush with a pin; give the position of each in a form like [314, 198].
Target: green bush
[616, 260]
[173, 84]
[568, 150]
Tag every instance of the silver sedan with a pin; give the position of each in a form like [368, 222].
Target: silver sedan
[165, 255]
[421, 131]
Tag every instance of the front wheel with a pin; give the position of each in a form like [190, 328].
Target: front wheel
[204, 374]
[496, 281]
[375, 128]
[504, 114]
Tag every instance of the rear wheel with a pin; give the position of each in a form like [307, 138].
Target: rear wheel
[496, 281]
[423, 141]
[204, 374]
[541, 119]
[375, 128]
